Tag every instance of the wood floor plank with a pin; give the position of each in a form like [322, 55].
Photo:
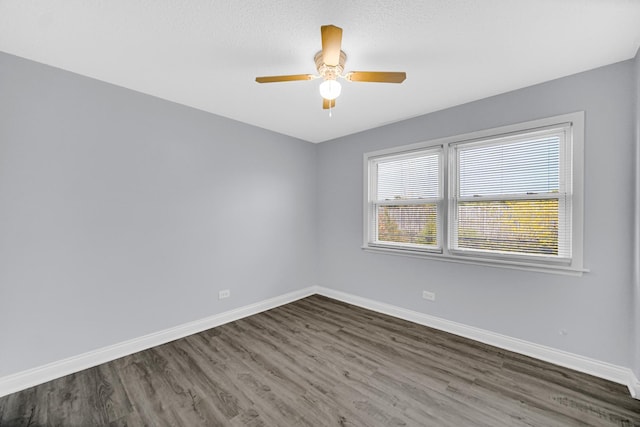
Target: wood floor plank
[321, 362]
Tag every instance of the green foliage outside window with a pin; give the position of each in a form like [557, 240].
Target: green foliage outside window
[415, 224]
[516, 226]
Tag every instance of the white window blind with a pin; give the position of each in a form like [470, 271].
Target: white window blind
[512, 196]
[406, 200]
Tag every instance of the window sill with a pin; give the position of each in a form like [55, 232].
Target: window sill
[513, 265]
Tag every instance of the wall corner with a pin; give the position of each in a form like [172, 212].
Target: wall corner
[636, 238]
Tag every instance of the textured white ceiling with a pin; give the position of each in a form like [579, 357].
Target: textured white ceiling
[206, 53]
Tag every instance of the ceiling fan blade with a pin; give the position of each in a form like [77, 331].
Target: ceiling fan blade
[326, 104]
[291, 78]
[331, 43]
[376, 76]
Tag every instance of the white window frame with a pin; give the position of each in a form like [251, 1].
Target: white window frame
[574, 147]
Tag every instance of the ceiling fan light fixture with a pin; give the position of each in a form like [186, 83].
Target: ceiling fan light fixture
[330, 65]
[330, 89]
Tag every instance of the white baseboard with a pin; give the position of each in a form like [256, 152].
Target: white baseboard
[29, 378]
[617, 374]
[634, 386]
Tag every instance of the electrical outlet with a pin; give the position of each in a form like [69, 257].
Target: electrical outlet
[431, 296]
[224, 294]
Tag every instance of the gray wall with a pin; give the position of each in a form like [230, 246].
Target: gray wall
[122, 214]
[596, 309]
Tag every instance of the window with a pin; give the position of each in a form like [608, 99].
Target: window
[406, 205]
[513, 196]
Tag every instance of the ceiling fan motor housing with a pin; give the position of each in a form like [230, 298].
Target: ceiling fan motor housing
[328, 72]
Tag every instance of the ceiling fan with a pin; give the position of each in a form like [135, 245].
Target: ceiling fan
[330, 65]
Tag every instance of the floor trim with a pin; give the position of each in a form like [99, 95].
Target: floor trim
[32, 377]
[634, 386]
[29, 378]
[617, 374]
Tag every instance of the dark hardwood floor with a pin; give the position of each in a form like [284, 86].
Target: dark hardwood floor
[320, 362]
